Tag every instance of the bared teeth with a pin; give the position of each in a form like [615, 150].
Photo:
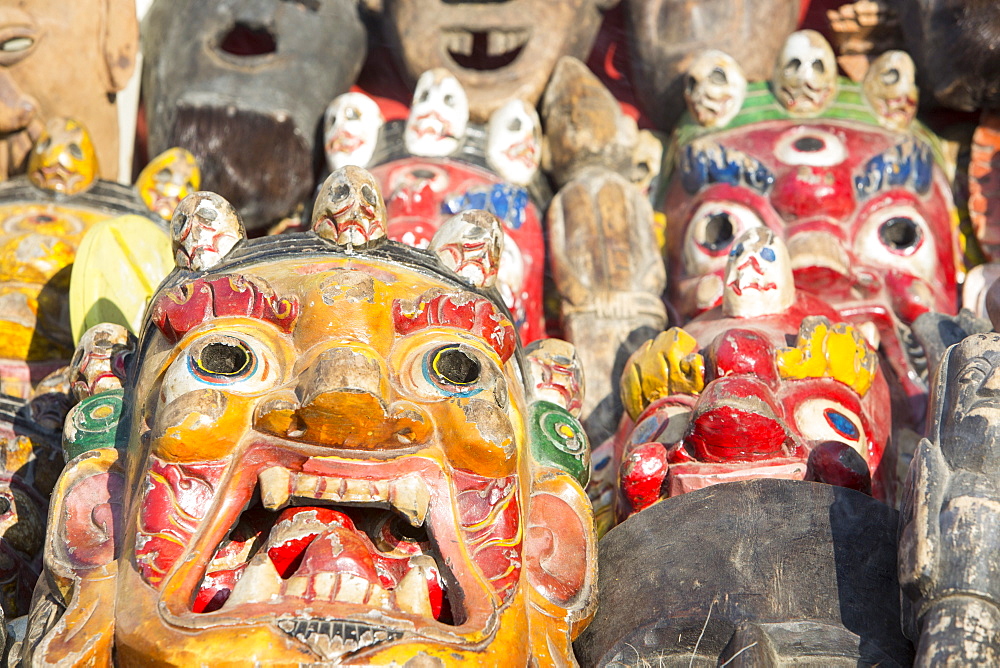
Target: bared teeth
[499, 42]
[458, 41]
[411, 593]
[259, 583]
[352, 588]
[275, 487]
[410, 496]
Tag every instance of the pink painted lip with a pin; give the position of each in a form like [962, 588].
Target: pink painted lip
[751, 286]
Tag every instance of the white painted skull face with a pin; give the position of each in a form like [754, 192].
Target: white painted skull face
[557, 372]
[350, 130]
[514, 142]
[891, 89]
[471, 244]
[805, 77]
[205, 227]
[758, 276]
[438, 115]
[715, 89]
[349, 209]
[92, 369]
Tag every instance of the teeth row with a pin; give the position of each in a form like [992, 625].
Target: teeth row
[498, 42]
[504, 41]
[261, 583]
[409, 495]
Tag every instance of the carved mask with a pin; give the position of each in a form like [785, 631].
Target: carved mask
[204, 228]
[805, 76]
[351, 128]
[499, 51]
[758, 276]
[438, 116]
[349, 209]
[335, 457]
[514, 142]
[715, 89]
[64, 160]
[232, 81]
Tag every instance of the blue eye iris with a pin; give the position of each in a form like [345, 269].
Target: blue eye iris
[736, 250]
[842, 424]
[768, 254]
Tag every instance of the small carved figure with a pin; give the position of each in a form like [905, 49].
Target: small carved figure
[947, 555]
[204, 228]
[349, 209]
[471, 244]
[438, 116]
[63, 160]
[167, 179]
[805, 75]
[351, 128]
[514, 142]
[334, 453]
[891, 88]
[715, 89]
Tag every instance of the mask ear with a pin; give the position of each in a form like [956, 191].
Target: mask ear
[80, 567]
[560, 559]
[120, 41]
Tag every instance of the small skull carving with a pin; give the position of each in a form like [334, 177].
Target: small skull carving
[349, 209]
[167, 179]
[556, 373]
[205, 227]
[891, 89]
[351, 128]
[805, 77]
[96, 365]
[438, 116]
[715, 89]
[471, 244]
[514, 142]
[758, 276]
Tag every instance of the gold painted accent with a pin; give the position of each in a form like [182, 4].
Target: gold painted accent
[669, 364]
[826, 350]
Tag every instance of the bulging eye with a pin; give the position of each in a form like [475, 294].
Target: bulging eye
[897, 237]
[711, 232]
[238, 364]
[451, 368]
[821, 420]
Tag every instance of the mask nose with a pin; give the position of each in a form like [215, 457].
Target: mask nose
[343, 399]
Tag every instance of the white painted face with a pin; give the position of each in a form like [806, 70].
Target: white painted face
[350, 130]
[891, 89]
[715, 89]
[438, 115]
[805, 76]
[205, 227]
[471, 244]
[758, 276]
[514, 142]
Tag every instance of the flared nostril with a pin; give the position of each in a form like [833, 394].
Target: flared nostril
[343, 369]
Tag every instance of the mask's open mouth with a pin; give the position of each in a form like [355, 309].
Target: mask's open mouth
[305, 539]
[485, 50]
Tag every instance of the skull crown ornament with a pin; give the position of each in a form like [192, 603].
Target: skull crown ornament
[336, 450]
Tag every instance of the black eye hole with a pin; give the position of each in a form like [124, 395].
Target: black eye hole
[718, 76]
[514, 125]
[162, 176]
[453, 366]
[369, 194]
[449, 100]
[44, 145]
[718, 231]
[5, 505]
[793, 65]
[339, 192]
[690, 83]
[224, 360]
[75, 151]
[900, 233]
[890, 76]
[819, 66]
[352, 114]
[424, 95]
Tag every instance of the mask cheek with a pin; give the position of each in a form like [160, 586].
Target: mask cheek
[201, 425]
[480, 437]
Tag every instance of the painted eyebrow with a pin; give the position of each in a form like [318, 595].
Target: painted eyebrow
[463, 310]
[177, 311]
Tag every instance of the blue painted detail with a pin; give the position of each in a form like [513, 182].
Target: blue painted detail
[507, 202]
[705, 163]
[910, 163]
[768, 254]
[842, 424]
[737, 249]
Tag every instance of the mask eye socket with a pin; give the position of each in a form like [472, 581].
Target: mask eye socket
[450, 367]
[897, 237]
[75, 151]
[223, 361]
[822, 420]
[900, 234]
[711, 232]
[238, 364]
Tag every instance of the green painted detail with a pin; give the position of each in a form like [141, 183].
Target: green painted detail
[92, 423]
[558, 440]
